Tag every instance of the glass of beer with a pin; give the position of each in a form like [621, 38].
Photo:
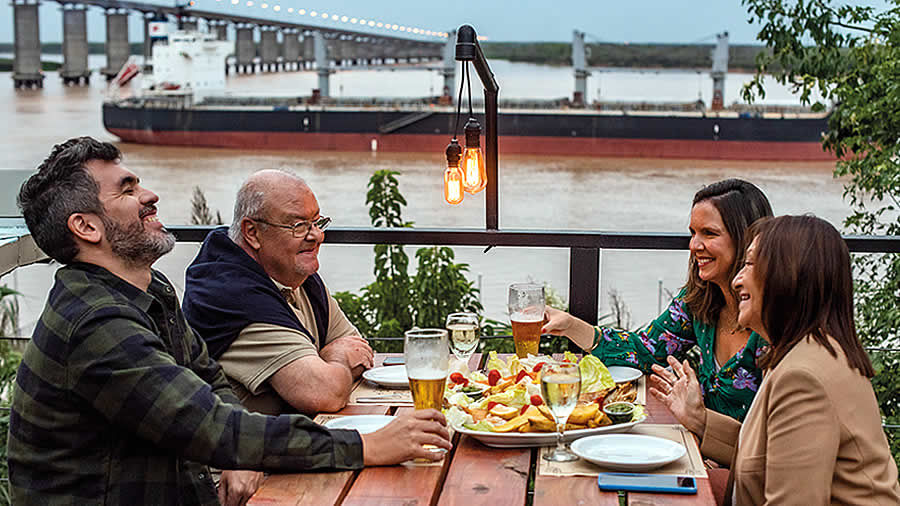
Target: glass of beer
[560, 388]
[427, 358]
[463, 328]
[526, 313]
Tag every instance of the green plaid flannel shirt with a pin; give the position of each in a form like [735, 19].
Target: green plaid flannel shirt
[117, 402]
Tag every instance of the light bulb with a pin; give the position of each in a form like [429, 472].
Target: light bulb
[474, 175]
[473, 170]
[453, 178]
[453, 186]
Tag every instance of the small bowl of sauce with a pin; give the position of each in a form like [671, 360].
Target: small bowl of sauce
[619, 412]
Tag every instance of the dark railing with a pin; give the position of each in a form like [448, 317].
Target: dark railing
[584, 248]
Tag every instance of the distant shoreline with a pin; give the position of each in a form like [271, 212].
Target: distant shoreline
[663, 56]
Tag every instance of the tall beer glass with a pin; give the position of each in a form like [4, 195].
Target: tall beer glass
[427, 357]
[526, 313]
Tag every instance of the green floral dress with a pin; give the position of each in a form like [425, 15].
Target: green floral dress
[729, 391]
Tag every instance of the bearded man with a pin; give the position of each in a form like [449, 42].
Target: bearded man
[116, 400]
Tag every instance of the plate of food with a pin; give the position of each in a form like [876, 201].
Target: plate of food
[362, 423]
[392, 376]
[621, 374]
[628, 452]
[510, 411]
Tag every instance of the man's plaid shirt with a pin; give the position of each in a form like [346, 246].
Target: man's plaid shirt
[118, 402]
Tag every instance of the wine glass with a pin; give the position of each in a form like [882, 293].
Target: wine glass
[526, 314]
[560, 387]
[463, 328]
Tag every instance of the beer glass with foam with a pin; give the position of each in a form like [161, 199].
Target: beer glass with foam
[427, 357]
[526, 313]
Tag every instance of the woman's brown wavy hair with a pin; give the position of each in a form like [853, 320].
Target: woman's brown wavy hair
[739, 203]
[803, 268]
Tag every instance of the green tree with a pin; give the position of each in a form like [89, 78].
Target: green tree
[394, 302]
[851, 55]
[9, 362]
[440, 287]
[200, 213]
[389, 295]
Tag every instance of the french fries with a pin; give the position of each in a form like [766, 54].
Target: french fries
[503, 416]
[624, 392]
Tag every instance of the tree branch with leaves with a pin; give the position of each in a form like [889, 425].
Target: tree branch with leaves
[850, 54]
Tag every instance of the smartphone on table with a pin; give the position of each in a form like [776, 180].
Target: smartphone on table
[393, 360]
[670, 483]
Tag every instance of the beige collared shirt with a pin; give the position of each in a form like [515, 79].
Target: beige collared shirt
[261, 349]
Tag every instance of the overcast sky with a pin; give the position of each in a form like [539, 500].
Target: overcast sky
[666, 21]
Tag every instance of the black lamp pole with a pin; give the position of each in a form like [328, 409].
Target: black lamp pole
[467, 49]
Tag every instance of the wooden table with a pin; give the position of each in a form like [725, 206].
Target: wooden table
[471, 474]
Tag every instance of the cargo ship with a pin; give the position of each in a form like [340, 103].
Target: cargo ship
[194, 112]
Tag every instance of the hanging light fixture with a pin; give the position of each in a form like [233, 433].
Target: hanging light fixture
[453, 178]
[474, 175]
[470, 173]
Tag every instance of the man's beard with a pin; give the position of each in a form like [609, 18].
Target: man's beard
[133, 243]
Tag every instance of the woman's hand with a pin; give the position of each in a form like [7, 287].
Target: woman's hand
[680, 391]
[561, 323]
[402, 439]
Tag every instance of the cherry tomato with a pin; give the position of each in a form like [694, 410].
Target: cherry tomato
[521, 375]
[458, 378]
[538, 366]
[493, 377]
[536, 400]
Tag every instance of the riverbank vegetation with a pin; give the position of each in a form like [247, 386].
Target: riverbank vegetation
[741, 57]
[6, 65]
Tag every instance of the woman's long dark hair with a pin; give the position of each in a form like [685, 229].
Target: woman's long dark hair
[739, 204]
[803, 267]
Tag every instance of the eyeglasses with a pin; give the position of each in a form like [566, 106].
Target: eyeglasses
[301, 228]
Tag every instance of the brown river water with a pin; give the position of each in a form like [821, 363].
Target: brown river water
[544, 193]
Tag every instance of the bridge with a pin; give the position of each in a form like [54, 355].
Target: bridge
[284, 45]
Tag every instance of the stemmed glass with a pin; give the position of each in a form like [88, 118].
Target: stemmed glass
[463, 328]
[560, 387]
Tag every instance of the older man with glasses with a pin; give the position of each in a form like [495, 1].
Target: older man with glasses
[254, 296]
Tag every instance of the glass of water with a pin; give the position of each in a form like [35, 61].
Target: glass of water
[560, 388]
[463, 329]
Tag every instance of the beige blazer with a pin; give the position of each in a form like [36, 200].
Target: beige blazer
[813, 436]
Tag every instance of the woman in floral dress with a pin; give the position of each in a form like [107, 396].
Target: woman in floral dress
[704, 313]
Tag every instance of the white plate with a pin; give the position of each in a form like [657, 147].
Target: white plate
[363, 423]
[521, 440]
[622, 374]
[628, 452]
[392, 376]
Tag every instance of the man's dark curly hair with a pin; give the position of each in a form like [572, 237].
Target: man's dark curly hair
[63, 186]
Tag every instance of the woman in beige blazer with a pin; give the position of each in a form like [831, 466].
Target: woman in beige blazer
[813, 434]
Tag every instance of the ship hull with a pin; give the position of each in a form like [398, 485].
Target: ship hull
[527, 133]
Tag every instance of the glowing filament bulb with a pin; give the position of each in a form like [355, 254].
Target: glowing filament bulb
[453, 178]
[453, 187]
[474, 174]
[473, 169]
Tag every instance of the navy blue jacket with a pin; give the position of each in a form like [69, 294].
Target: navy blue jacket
[227, 290]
